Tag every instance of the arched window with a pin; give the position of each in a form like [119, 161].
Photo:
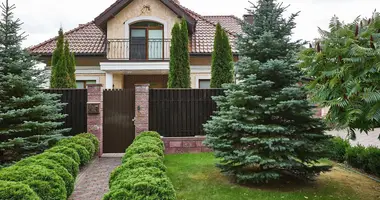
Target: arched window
[146, 41]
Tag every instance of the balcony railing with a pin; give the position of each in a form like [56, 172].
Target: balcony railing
[138, 49]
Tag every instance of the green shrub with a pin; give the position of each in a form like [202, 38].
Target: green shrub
[355, 155]
[148, 134]
[142, 148]
[16, 191]
[142, 186]
[150, 140]
[135, 163]
[65, 161]
[91, 137]
[371, 160]
[84, 155]
[67, 151]
[338, 148]
[44, 182]
[86, 143]
[142, 155]
[50, 164]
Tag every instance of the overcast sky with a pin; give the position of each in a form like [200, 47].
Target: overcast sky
[42, 18]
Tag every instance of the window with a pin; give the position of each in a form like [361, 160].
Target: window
[146, 41]
[83, 84]
[204, 83]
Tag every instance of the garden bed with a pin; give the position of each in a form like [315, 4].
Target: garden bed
[195, 176]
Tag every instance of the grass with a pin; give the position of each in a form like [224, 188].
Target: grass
[195, 177]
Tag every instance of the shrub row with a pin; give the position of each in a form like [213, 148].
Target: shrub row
[367, 159]
[142, 174]
[50, 175]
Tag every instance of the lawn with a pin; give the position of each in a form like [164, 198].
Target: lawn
[195, 177]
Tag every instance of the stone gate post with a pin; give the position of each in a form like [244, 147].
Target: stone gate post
[95, 113]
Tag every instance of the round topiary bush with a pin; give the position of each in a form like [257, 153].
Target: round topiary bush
[86, 143]
[50, 164]
[126, 173]
[91, 137]
[143, 148]
[142, 186]
[44, 182]
[136, 162]
[67, 151]
[148, 134]
[65, 161]
[150, 140]
[16, 191]
[84, 155]
[142, 155]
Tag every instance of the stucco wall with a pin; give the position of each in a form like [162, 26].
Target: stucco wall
[195, 76]
[118, 81]
[116, 27]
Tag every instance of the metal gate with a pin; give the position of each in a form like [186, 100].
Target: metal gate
[118, 113]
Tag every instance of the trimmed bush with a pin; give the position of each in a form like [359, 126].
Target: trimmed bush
[150, 140]
[44, 182]
[137, 163]
[16, 191]
[86, 143]
[371, 160]
[67, 151]
[148, 134]
[355, 156]
[338, 148]
[142, 148]
[50, 164]
[84, 155]
[65, 161]
[91, 137]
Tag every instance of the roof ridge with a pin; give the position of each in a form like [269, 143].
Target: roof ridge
[31, 48]
[204, 19]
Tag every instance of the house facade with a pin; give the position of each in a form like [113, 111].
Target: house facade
[129, 43]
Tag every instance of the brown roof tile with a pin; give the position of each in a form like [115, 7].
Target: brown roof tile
[88, 39]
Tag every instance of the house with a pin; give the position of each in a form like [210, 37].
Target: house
[129, 43]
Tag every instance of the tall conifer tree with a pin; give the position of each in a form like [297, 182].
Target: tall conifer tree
[265, 129]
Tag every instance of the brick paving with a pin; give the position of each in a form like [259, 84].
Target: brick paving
[92, 182]
[361, 138]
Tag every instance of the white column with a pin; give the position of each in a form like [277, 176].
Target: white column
[109, 80]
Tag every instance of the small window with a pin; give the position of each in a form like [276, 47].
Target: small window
[204, 83]
[83, 84]
[146, 24]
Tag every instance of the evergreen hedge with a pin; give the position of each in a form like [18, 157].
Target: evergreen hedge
[16, 191]
[50, 175]
[93, 139]
[142, 174]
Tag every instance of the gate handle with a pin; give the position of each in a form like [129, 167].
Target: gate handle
[134, 119]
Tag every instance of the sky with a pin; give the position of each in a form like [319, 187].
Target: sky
[42, 18]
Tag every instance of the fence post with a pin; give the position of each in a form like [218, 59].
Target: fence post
[141, 108]
[95, 113]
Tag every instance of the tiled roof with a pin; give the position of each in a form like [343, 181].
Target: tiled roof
[88, 39]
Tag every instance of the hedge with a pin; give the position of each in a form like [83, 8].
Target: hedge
[16, 191]
[44, 182]
[93, 139]
[50, 175]
[142, 174]
[71, 152]
[367, 159]
[56, 167]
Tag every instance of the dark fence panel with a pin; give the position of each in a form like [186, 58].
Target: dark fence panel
[76, 108]
[118, 125]
[181, 112]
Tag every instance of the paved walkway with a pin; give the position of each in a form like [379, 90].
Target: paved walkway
[361, 138]
[92, 182]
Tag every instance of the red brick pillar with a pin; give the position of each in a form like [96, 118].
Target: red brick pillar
[95, 112]
[141, 108]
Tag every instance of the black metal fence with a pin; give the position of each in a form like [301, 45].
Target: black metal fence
[76, 108]
[181, 112]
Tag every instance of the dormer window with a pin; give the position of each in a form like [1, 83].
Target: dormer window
[146, 41]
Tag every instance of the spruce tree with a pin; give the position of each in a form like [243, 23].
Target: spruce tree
[29, 118]
[222, 59]
[264, 129]
[179, 72]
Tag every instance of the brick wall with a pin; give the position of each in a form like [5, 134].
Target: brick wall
[176, 145]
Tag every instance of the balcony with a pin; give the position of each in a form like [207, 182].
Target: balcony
[138, 50]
